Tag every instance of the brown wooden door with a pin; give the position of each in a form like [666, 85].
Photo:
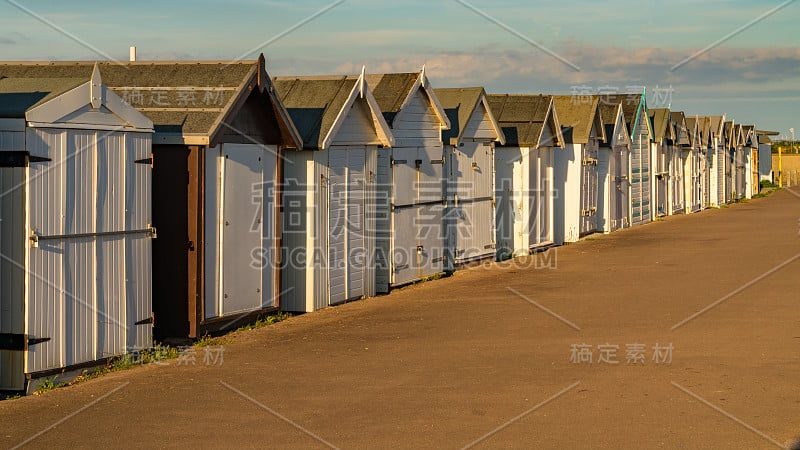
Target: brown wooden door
[170, 262]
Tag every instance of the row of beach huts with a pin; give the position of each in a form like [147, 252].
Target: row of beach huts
[169, 200]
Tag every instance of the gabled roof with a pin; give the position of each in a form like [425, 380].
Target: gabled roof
[577, 117]
[748, 133]
[703, 131]
[763, 136]
[729, 132]
[393, 91]
[460, 104]
[692, 128]
[740, 139]
[18, 95]
[608, 115]
[659, 119]
[678, 120]
[715, 125]
[523, 118]
[631, 104]
[319, 105]
[189, 102]
[60, 102]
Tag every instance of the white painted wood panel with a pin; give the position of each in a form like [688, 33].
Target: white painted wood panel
[358, 127]
[479, 125]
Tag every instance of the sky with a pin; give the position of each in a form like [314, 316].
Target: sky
[752, 75]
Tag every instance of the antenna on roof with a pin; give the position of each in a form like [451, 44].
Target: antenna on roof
[133, 53]
[362, 80]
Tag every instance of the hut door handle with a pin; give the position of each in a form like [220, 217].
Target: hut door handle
[191, 246]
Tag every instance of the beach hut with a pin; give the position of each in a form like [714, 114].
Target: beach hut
[692, 166]
[411, 240]
[329, 194]
[678, 162]
[613, 170]
[635, 108]
[575, 167]
[730, 166]
[219, 130]
[663, 138]
[524, 172]
[75, 223]
[750, 160]
[469, 169]
[716, 160]
[740, 163]
[704, 130]
[219, 133]
[765, 155]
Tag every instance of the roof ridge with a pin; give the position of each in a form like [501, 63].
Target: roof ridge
[125, 63]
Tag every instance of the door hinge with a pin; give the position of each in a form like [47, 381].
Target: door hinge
[145, 161]
[146, 321]
[19, 341]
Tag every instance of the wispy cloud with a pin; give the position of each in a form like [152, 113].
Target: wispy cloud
[646, 65]
[704, 86]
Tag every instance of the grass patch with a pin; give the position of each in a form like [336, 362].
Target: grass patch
[127, 361]
[159, 352]
[212, 341]
[48, 385]
[435, 276]
[768, 184]
[768, 191]
[266, 320]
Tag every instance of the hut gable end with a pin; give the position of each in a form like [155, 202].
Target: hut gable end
[358, 126]
[254, 123]
[480, 125]
[417, 122]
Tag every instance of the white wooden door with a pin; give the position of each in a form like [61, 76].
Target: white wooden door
[640, 179]
[470, 219]
[356, 222]
[404, 251]
[241, 229]
[589, 188]
[620, 188]
[337, 221]
[505, 212]
[430, 235]
[545, 224]
[719, 160]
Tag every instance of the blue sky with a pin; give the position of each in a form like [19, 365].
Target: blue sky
[753, 77]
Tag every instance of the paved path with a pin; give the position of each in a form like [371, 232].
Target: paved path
[441, 365]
